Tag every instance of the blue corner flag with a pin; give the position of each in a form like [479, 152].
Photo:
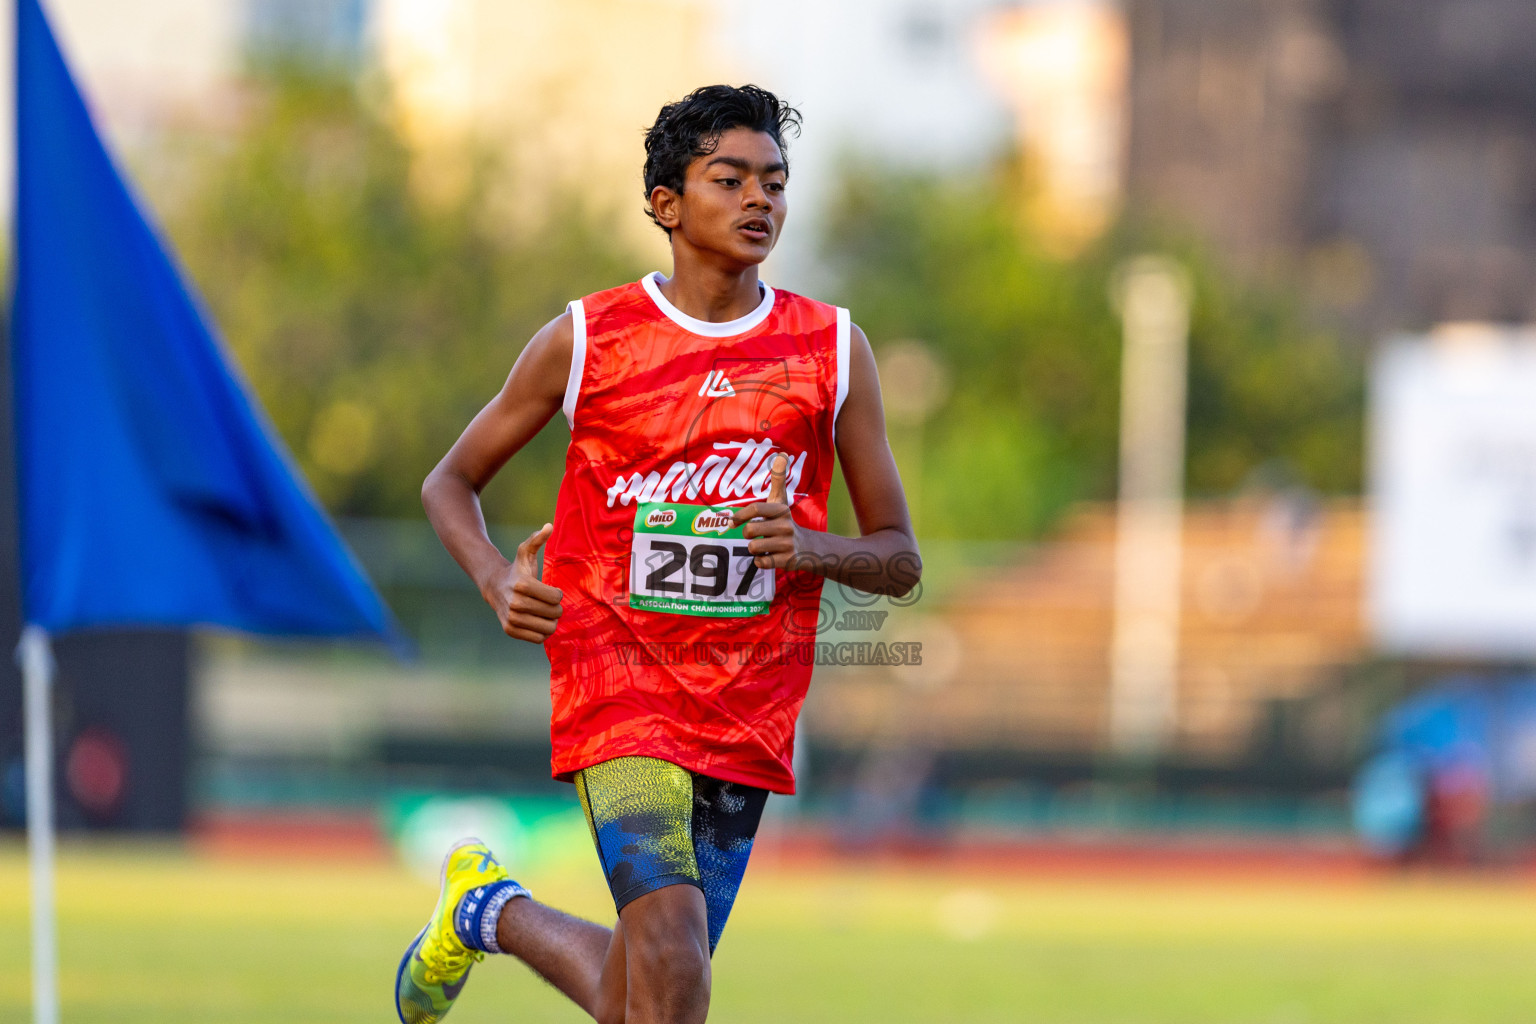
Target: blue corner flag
[152, 490]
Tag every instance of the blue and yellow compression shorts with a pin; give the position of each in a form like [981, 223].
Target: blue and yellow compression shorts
[656, 824]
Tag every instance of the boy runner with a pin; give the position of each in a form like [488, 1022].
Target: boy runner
[683, 574]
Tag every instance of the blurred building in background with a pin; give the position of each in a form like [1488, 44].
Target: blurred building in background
[561, 91]
[1062, 67]
[1383, 153]
[888, 86]
[318, 32]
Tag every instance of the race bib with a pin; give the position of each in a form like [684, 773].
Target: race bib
[693, 560]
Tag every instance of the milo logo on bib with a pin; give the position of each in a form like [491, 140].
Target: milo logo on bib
[711, 521]
[693, 560]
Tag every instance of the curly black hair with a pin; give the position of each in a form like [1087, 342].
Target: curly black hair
[691, 127]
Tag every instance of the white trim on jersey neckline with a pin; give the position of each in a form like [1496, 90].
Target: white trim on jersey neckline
[728, 329]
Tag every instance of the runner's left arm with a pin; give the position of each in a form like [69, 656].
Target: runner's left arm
[884, 558]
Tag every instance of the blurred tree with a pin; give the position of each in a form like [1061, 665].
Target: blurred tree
[374, 322]
[1032, 348]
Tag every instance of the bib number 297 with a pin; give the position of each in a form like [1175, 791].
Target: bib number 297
[693, 560]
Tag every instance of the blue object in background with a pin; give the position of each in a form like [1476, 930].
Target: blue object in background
[1390, 798]
[1486, 727]
[152, 491]
[1455, 719]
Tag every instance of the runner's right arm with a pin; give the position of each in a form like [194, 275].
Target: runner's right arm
[528, 609]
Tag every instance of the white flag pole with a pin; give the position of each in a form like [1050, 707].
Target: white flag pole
[35, 653]
[1153, 295]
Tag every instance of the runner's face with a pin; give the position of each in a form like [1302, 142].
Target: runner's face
[733, 199]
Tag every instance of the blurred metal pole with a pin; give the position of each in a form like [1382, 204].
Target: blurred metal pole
[913, 384]
[1153, 296]
[35, 653]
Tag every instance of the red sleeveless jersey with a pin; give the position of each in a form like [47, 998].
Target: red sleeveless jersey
[671, 419]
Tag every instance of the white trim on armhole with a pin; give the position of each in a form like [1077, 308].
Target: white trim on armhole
[844, 336]
[578, 361]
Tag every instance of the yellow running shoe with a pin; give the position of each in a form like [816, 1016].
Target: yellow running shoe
[462, 930]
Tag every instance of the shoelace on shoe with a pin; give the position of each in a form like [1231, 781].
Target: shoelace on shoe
[445, 962]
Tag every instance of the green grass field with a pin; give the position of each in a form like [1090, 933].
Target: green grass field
[151, 934]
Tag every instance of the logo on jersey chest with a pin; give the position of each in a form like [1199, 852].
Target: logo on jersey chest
[746, 375]
[716, 385]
